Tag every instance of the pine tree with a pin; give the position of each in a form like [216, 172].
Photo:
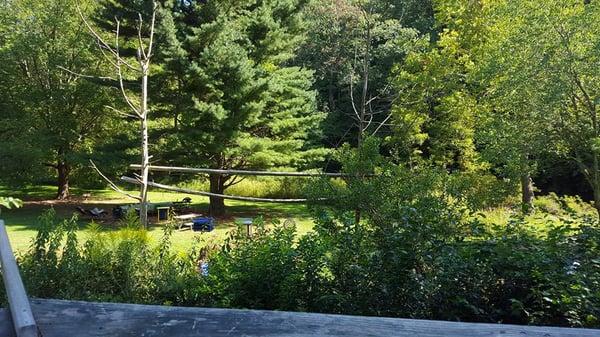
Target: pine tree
[231, 96]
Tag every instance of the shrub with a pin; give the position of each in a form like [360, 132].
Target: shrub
[110, 266]
[257, 271]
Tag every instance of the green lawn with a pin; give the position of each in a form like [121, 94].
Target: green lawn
[22, 223]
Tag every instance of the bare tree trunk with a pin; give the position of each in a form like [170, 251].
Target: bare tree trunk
[139, 111]
[597, 201]
[217, 205]
[365, 88]
[363, 106]
[144, 144]
[527, 192]
[596, 178]
[64, 170]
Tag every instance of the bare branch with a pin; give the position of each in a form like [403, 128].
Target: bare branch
[113, 185]
[141, 51]
[152, 23]
[124, 114]
[106, 78]
[352, 98]
[102, 41]
[382, 124]
[120, 73]
[106, 56]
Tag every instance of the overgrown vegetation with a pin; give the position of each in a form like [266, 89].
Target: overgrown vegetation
[448, 118]
[418, 251]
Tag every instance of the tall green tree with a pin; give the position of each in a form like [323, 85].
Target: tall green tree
[543, 65]
[436, 113]
[51, 117]
[352, 46]
[236, 101]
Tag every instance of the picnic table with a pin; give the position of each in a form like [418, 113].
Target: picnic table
[185, 220]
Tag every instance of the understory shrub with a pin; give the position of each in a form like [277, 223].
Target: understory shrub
[407, 268]
[118, 266]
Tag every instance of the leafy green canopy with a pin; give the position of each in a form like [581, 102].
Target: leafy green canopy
[50, 116]
[437, 110]
[343, 36]
[542, 66]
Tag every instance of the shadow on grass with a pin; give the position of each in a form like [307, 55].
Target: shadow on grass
[26, 218]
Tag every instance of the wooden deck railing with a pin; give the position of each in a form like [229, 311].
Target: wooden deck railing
[82, 319]
[20, 310]
[56, 318]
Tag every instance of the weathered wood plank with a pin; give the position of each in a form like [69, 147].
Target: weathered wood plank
[6, 326]
[18, 302]
[80, 319]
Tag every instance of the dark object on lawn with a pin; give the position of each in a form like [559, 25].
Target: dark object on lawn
[204, 224]
[118, 212]
[163, 213]
[94, 212]
[182, 205]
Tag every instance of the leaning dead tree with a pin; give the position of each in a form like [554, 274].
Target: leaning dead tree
[136, 104]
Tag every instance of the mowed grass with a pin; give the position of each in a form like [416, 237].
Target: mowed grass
[22, 224]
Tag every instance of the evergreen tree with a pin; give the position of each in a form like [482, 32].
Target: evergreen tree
[234, 99]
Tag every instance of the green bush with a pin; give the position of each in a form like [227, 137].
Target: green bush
[110, 266]
[518, 277]
[257, 271]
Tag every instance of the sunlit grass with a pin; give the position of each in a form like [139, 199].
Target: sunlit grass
[549, 211]
[22, 223]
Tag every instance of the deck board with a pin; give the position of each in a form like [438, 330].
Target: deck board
[57, 318]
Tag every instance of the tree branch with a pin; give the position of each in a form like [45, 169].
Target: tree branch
[113, 185]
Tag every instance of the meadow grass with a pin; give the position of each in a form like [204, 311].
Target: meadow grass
[549, 210]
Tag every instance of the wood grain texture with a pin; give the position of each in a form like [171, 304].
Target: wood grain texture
[81, 319]
[6, 326]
